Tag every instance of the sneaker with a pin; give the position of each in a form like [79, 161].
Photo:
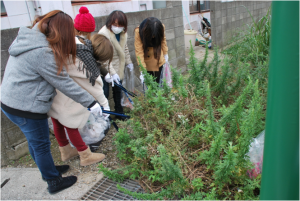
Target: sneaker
[60, 183]
[61, 169]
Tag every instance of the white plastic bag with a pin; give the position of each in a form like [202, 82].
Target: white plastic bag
[94, 129]
[128, 83]
[166, 75]
[256, 155]
[50, 124]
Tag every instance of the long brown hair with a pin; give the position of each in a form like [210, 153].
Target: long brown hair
[152, 35]
[59, 30]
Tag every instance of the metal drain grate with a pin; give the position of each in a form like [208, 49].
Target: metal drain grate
[106, 189]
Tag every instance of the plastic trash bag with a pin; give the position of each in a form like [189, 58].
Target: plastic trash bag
[94, 130]
[128, 83]
[256, 155]
[166, 75]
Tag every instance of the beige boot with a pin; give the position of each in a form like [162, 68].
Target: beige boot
[87, 157]
[67, 152]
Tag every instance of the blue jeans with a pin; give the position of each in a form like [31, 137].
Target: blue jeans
[117, 95]
[36, 132]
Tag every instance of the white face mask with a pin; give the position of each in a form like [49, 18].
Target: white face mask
[83, 36]
[117, 30]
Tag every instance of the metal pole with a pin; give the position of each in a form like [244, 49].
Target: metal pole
[187, 18]
[280, 174]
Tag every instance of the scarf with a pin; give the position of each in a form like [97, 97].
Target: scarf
[89, 64]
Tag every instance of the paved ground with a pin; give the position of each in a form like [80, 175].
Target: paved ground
[26, 183]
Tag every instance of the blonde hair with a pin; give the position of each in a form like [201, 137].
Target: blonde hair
[103, 49]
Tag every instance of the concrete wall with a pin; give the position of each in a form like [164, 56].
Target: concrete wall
[7, 37]
[14, 143]
[228, 17]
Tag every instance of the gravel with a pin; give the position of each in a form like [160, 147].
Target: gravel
[106, 147]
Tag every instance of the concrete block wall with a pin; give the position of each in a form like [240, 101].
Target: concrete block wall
[13, 142]
[228, 17]
[7, 37]
[171, 16]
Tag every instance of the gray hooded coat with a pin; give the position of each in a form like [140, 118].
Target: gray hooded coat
[31, 76]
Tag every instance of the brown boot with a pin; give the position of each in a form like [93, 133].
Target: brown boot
[87, 157]
[67, 152]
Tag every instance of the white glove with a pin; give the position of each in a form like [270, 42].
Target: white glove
[142, 77]
[108, 78]
[107, 108]
[96, 109]
[116, 78]
[130, 66]
[166, 57]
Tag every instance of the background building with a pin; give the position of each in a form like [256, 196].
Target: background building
[22, 12]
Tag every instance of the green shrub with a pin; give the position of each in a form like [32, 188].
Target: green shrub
[189, 142]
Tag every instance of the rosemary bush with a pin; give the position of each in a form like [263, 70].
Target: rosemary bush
[189, 142]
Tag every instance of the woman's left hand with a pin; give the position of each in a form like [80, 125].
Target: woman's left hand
[166, 57]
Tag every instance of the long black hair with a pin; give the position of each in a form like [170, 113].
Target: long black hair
[152, 34]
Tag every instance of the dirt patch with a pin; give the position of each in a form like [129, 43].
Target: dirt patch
[107, 147]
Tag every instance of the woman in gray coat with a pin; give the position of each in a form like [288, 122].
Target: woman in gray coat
[36, 67]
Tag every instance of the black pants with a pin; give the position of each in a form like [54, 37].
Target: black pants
[156, 74]
[117, 95]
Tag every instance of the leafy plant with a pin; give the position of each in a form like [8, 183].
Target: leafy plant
[190, 141]
[197, 184]
[226, 169]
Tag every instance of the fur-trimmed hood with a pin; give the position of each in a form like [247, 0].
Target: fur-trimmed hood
[121, 55]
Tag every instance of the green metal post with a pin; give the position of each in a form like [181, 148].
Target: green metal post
[280, 174]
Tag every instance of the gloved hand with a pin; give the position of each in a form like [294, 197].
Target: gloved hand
[166, 57]
[96, 109]
[116, 78]
[130, 66]
[142, 77]
[108, 78]
[107, 108]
